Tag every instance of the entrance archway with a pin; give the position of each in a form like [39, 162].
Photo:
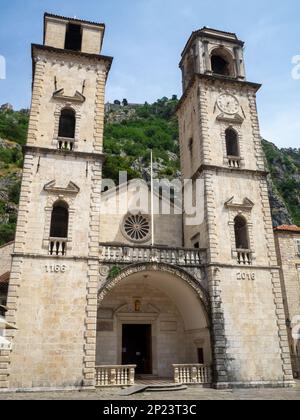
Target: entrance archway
[167, 309]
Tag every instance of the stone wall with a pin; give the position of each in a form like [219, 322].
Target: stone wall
[5, 257]
[289, 259]
[168, 227]
[48, 345]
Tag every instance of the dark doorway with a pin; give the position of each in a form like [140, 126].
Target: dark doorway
[200, 356]
[73, 37]
[137, 347]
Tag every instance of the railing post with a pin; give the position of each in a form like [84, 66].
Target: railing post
[131, 376]
[194, 375]
[176, 375]
[113, 376]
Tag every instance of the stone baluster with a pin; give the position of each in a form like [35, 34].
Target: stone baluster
[113, 377]
[131, 376]
[176, 375]
[194, 375]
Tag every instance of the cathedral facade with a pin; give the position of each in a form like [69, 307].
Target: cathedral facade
[101, 292]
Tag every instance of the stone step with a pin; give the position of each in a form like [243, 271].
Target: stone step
[153, 388]
[133, 390]
[167, 388]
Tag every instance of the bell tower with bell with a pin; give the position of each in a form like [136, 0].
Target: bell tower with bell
[221, 153]
[52, 298]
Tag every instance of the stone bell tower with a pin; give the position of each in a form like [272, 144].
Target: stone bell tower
[221, 147]
[52, 297]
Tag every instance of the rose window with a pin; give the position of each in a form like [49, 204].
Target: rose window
[137, 227]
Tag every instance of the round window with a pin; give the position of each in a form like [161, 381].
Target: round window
[137, 227]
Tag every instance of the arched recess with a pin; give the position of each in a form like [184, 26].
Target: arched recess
[185, 291]
[222, 62]
[232, 142]
[67, 123]
[59, 225]
[241, 233]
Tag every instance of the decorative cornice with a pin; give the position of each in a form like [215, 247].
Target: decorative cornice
[70, 153]
[246, 205]
[78, 97]
[68, 19]
[70, 189]
[61, 53]
[234, 119]
[208, 33]
[203, 168]
[216, 79]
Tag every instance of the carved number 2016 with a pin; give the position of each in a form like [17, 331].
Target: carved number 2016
[245, 276]
[55, 268]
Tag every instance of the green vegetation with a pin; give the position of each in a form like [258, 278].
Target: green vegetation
[11, 156]
[154, 127]
[14, 125]
[284, 166]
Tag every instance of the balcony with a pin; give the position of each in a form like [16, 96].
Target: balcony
[244, 256]
[125, 254]
[234, 162]
[192, 374]
[115, 376]
[65, 144]
[58, 247]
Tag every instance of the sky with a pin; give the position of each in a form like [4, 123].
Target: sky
[146, 38]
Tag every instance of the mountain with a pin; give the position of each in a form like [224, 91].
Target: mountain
[131, 130]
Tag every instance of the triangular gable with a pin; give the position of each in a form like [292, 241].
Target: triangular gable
[247, 204]
[70, 189]
[78, 97]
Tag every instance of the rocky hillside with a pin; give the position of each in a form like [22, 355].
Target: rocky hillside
[130, 131]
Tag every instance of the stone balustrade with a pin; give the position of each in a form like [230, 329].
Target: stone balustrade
[126, 254]
[114, 376]
[57, 246]
[192, 374]
[234, 161]
[244, 256]
[66, 144]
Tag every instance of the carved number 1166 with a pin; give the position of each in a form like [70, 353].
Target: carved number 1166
[56, 268]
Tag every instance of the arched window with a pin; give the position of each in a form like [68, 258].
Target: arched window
[222, 63]
[59, 220]
[241, 233]
[67, 123]
[232, 143]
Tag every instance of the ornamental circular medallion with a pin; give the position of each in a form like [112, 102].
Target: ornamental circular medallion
[228, 103]
[136, 227]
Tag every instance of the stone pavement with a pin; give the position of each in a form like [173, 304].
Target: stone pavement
[193, 393]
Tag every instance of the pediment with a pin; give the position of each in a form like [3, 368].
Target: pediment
[78, 97]
[128, 309]
[247, 204]
[236, 119]
[71, 188]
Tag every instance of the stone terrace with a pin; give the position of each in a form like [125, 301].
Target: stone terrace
[193, 393]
